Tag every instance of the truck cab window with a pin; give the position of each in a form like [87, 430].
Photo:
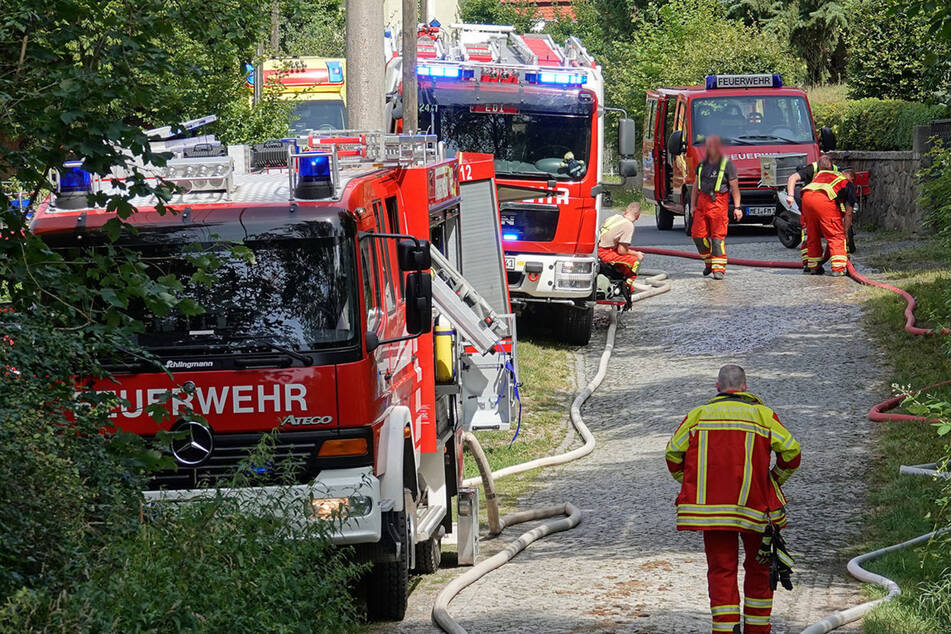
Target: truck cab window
[371, 283]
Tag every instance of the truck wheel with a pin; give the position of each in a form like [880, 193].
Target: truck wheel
[688, 217]
[388, 581]
[429, 555]
[663, 218]
[576, 328]
[789, 235]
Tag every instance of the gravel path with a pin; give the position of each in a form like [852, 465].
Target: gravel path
[626, 569]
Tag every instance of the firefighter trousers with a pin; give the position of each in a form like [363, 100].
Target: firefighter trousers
[722, 549]
[822, 218]
[626, 265]
[710, 221]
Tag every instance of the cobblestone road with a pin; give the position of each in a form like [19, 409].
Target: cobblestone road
[626, 569]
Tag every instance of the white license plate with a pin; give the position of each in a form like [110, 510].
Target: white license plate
[760, 211]
[509, 264]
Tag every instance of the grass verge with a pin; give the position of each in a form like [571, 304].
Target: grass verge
[900, 506]
[545, 372]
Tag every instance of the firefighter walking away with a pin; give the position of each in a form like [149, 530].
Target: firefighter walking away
[716, 183]
[721, 455]
[614, 244]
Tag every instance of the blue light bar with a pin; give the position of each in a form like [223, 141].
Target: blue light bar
[335, 72]
[442, 70]
[556, 78]
[73, 178]
[763, 80]
[314, 169]
[510, 236]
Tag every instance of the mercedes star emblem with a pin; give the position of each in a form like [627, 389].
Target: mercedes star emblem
[193, 443]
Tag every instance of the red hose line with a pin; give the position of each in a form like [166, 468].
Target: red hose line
[877, 413]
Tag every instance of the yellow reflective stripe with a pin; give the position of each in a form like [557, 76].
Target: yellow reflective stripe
[747, 471]
[719, 184]
[725, 609]
[702, 468]
[719, 509]
[784, 557]
[757, 603]
[752, 428]
[755, 620]
[724, 522]
[610, 223]
[725, 626]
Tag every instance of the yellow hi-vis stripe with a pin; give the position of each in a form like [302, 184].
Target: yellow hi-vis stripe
[725, 609]
[720, 626]
[702, 468]
[750, 602]
[610, 223]
[755, 620]
[747, 470]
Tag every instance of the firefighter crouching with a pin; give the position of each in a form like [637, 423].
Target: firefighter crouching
[827, 203]
[716, 182]
[721, 455]
[805, 175]
[614, 243]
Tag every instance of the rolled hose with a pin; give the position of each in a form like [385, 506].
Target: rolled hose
[877, 414]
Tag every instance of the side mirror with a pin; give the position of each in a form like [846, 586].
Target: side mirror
[826, 139]
[412, 257]
[627, 167]
[626, 138]
[675, 146]
[418, 294]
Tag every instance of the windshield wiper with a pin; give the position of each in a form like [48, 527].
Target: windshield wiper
[538, 174]
[768, 136]
[291, 353]
[736, 141]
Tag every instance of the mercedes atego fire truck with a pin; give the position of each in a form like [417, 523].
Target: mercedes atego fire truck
[538, 107]
[755, 116]
[351, 335]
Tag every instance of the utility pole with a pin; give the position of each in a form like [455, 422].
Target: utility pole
[275, 27]
[410, 94]
[365, 73]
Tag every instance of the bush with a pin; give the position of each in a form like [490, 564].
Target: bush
[935, 183]
[892, 55]
[875, 124]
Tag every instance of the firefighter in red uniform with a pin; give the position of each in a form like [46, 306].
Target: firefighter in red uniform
[614, 243]
[827, 204]
[716, 181]
[721, 455]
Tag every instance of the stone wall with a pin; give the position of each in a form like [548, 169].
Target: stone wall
[893, 202]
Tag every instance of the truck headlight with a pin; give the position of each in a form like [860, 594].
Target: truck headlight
[572, 267]
[573, 275]
[333, 508]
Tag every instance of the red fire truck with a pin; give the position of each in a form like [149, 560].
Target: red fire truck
[325, 338]
[539, 109]
[754, 115]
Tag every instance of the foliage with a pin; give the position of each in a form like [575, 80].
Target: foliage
[935, 183]
[892, 55]
[313, 27]
[815, 29]
[521, 15]
[875, 124]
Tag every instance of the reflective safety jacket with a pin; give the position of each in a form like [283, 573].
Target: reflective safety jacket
[721, 455]
[827, 181]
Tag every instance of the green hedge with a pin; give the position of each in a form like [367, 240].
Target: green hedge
[875, 124]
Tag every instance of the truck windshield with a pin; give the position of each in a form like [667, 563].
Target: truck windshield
[318, 114]
[752, 120]
[532, 144]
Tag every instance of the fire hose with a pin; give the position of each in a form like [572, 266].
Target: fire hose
[877, 414]
[654, 283]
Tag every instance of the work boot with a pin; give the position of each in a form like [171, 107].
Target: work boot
[707, 270]
[718, 275]
[737, 630]
[817, 271]
[837, 273]
[806, 270]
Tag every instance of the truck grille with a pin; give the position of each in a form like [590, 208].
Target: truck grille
[292, 460]
[531, 222]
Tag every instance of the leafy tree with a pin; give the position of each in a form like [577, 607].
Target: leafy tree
[522, 15]
[313, 27]
[893, 55]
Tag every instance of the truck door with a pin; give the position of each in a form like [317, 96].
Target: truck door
[651, 167]
[676, 120]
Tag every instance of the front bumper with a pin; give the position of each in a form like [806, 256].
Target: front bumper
[296, 502]
[535, 277]
[759, 205]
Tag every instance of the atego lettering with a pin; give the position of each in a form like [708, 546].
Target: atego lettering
[230, 399]
[299, 421]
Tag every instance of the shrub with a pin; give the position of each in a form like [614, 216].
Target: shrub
[875, 124]
[935, 183]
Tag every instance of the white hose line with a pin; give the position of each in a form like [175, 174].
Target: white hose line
[837, 620]
[929, 470]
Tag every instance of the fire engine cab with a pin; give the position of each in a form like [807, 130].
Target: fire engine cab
[755, 116]
[320, 331]
[538, 107]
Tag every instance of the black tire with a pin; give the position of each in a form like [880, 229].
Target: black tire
[688, 216]
[789, 235]
[388, 581]
[428, 555]
[576, 326]
[663, 218]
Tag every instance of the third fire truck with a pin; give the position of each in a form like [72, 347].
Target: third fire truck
[538, 107]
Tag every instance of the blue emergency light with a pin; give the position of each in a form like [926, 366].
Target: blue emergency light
[74, 179]
[444, 71]
[313, 169]
[510, 236]
[557, 79]
[763, 80]
[335, 72]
